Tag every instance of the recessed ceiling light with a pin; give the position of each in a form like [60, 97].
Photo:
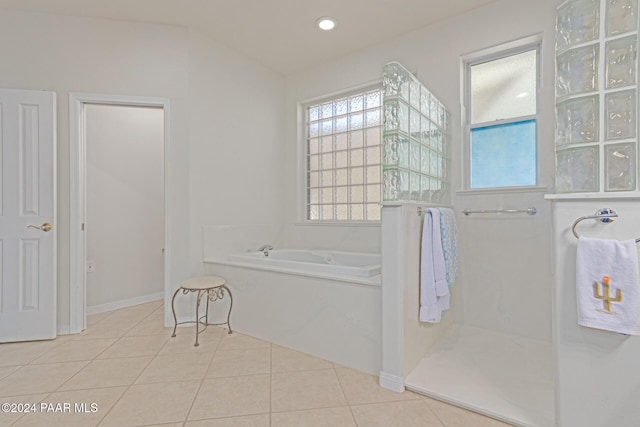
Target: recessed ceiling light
[326, 23]
[522, 95]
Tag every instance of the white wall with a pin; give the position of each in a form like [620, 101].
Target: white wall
[236, 152]
[125, 203]
[405, 340]
[69, 54]
[597, 372]
[506, 265]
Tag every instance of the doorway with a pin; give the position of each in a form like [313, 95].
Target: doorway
[119, 215]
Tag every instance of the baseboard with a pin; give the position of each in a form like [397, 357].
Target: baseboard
[391, 382]
[115, 305]
[63, 329]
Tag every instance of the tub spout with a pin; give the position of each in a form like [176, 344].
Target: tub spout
[265, 249]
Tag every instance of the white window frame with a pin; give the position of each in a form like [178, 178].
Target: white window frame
[488, 55]
[303, 153]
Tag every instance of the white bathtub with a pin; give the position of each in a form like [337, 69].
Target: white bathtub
[324, 303]
[318, 261]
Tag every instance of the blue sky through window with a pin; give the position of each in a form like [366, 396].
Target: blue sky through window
[504, 155]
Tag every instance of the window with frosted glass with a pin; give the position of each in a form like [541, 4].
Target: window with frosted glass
[344, 160]
[502, 108]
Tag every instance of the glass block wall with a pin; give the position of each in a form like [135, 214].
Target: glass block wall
[416, 166]
[596, 96]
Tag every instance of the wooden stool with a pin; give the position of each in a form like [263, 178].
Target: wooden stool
[212, 286]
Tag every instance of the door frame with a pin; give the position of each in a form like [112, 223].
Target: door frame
[77, 152]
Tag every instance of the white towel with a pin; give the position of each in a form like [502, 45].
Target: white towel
[618, 262]
[434, 290]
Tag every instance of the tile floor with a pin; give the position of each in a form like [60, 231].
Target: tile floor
[128, 371]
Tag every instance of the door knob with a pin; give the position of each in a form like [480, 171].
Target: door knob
[44, 227]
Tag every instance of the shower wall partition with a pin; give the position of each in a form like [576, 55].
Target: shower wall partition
[416, 173]
[492, 351]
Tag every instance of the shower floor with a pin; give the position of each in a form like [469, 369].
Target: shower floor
[506, 377]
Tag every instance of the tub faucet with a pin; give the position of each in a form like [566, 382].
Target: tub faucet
[265, 249]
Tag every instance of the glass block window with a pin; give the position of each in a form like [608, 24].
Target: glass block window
[596, 96]
[344, 160]
[502, 109]
[416, 164]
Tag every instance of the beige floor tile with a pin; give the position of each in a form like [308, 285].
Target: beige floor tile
[135, 346]
[232, 363]
[237, 341]
[131, 317]
[452, 416]
[150, 327]
[22, 353]
[72, 351]
[139, 311]
[5, 371]
[232, 396]
[85, 408]
[8, 418]
[94, 319]
[306, 390]
[412, 413]
[105, 329]
[287, 360]
[326, 417]
[165, 425]
[175, 367]
[185, 339]
[261, 420]
[35, 379]
[108, 373]
[359, 388]
[146, 404]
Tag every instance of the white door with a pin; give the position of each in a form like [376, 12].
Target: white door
[27, 212]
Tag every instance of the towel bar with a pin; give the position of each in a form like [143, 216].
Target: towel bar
[604, 215]
[528, 211]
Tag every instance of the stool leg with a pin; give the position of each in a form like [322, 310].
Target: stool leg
[200, 293]
[173, 310]
[206, 314]
[230, 307]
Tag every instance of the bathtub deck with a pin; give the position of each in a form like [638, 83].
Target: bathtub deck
[503, 376]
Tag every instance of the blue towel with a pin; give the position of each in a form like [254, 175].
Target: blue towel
[449, 236]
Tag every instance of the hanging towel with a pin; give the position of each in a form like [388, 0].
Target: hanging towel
[434, 290]
[607, 285]
[449, 232]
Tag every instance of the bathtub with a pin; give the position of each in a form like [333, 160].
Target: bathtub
[321, 302]
[316, 261]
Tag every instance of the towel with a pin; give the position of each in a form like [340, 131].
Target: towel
[434, 290]
[449, 234]
[607, 285]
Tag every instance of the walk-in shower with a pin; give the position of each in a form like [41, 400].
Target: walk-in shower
[492, 351]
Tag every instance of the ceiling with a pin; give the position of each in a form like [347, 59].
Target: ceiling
[280, 34]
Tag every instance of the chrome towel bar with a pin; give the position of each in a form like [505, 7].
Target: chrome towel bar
[529, 211]
[604, 215]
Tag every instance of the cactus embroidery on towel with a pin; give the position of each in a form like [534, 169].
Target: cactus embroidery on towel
[603, 291]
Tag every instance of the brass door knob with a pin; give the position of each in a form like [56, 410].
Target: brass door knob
[46, 227]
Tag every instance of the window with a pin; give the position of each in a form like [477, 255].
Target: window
[344, 157]
[502, 115]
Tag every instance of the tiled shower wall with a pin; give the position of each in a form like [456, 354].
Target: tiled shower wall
[416, 165]
[596, 96]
